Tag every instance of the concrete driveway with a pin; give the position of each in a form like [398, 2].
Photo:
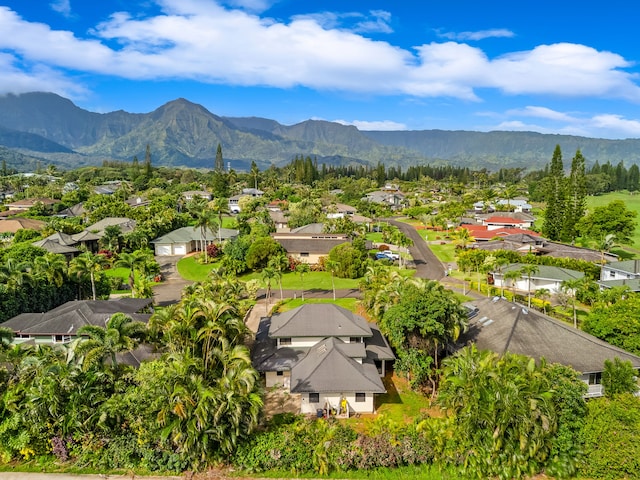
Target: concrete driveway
[170, 290]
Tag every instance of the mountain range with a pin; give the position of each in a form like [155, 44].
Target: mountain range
[46, 127]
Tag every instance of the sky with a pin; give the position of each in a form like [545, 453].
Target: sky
[561, 67]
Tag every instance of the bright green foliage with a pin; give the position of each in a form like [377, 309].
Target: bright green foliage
[350, 260]
[183, 411]
[505, 415]
[297, 445]
[611, 447]
[619, 377]
[555, 195]
[425, 317]
[100, 344]
[576, 198]
[260, 251]
[617, 324]
[613, 218]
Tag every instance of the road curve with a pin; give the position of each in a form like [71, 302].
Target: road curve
[427, 264]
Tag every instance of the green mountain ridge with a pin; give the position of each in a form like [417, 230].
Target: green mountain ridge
[182, 133]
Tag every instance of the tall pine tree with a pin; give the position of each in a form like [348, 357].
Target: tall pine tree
[219, 166]
[148, 169]
[576, 198]
[555, 195]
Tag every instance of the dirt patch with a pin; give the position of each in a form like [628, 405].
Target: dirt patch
[280, 401]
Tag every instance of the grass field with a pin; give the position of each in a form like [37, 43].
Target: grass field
[632, 202]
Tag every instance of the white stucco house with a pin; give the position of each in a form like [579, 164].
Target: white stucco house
[325, 353]
[547, 277]
[189, 239]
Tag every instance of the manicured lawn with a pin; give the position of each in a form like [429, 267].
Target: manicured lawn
[189, 269]
[348, 303]
[123, 273]
[312, 280]
[632, 202]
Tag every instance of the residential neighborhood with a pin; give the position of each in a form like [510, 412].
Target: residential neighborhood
[322, 306]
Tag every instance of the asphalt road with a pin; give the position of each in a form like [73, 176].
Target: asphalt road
[426, 263]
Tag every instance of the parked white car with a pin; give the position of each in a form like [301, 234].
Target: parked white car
[391, 255]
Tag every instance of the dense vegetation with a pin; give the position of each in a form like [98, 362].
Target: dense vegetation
[199, 400]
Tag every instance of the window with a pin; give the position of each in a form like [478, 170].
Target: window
[61, 338]
[304, 254]
[280, 373]
[595, 378]
[284, 342]
[314, 398]
[361, 397]
[355, 340]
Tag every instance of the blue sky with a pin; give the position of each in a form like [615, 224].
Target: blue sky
[563, 67]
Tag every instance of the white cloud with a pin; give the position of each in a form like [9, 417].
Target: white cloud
[617, 124]
[255, 6]
[478, 35]
[206, 42]
[63, 7]
[387, 125]
[21, 79]
[377, 21]
[575, 123]
[541, 112]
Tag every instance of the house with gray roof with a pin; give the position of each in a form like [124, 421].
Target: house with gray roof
[69, 245]
[548, 277]
[126, 225]
[502, 326]
[61, 324]
[325, 353]
[188, 239]
[617, 274]
[309, 242]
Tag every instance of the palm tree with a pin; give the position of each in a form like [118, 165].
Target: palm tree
[302, 269]
[268, 274]
[279, 263]
[205, 220]
[222, 324]
[220, 207]
[88, 264]
[509, 193]
[606, 243]
[570, 287]
[120, 334]
[499, 263]
[462, 238]
[51, 266]
[543, 294]
[332, 266]
[112, 238]
[132, 261]
[16, 273]
[486, 267]
[512, 275]
[6, 337]
[529, 270]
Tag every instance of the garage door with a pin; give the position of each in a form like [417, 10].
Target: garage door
[163, 249]
[180, 249]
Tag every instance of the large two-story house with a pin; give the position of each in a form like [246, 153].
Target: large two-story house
[325, 353]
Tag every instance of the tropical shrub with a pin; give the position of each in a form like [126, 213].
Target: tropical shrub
[610, 434]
